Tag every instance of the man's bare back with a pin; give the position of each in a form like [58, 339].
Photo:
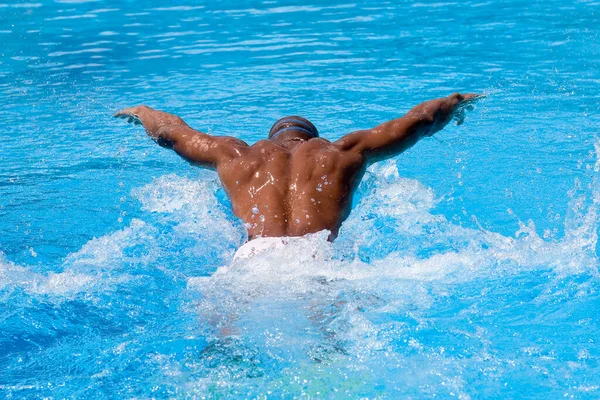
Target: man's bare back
[295, 182]
[294, 189]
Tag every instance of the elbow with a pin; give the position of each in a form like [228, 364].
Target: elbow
[163, 142]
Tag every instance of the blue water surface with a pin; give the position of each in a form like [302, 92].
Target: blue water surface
[468, 267]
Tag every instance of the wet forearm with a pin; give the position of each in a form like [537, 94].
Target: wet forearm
[431, 116]
[166, 129]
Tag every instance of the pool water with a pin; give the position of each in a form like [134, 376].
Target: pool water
[468, 267]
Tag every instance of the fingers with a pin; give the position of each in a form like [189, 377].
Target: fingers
[125, 112]
[470, 97]
[121, 114]
[131, 112]
[461, 99]
[465, 105]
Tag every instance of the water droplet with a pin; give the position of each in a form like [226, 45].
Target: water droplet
[255, 209]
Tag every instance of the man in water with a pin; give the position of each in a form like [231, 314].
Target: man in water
[296, 182]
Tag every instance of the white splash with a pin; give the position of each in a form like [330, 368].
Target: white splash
[62, 284]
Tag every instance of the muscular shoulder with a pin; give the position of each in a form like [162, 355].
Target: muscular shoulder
[322, 148]
[225, 148]
[260, 153]
[326, 154]
[316, 145]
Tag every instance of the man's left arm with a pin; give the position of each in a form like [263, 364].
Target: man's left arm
[394, 137]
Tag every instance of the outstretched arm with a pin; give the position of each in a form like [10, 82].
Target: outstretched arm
[393, 137]
[172, 132]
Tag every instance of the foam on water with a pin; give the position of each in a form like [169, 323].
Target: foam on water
[364, 316]
[391, 301]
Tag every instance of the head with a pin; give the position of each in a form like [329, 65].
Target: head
[293, 127]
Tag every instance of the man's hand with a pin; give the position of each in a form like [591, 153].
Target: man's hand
[162, 127]
[465, 103]
[132, 114]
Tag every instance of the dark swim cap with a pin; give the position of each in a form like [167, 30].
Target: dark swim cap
[293, 123]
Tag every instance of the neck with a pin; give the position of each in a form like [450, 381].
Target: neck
[290, 143]
[291, 138]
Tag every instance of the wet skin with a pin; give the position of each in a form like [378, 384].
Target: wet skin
[294, 184]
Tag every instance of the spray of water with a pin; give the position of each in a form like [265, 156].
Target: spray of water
[390, 301]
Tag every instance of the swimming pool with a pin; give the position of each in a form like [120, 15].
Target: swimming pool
[468, 268]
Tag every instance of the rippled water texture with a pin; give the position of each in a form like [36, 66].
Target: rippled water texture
[468, 268]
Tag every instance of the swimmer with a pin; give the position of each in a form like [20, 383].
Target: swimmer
[295, 182]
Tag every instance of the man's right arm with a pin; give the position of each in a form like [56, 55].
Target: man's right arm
[172, 132]
[394, 137]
